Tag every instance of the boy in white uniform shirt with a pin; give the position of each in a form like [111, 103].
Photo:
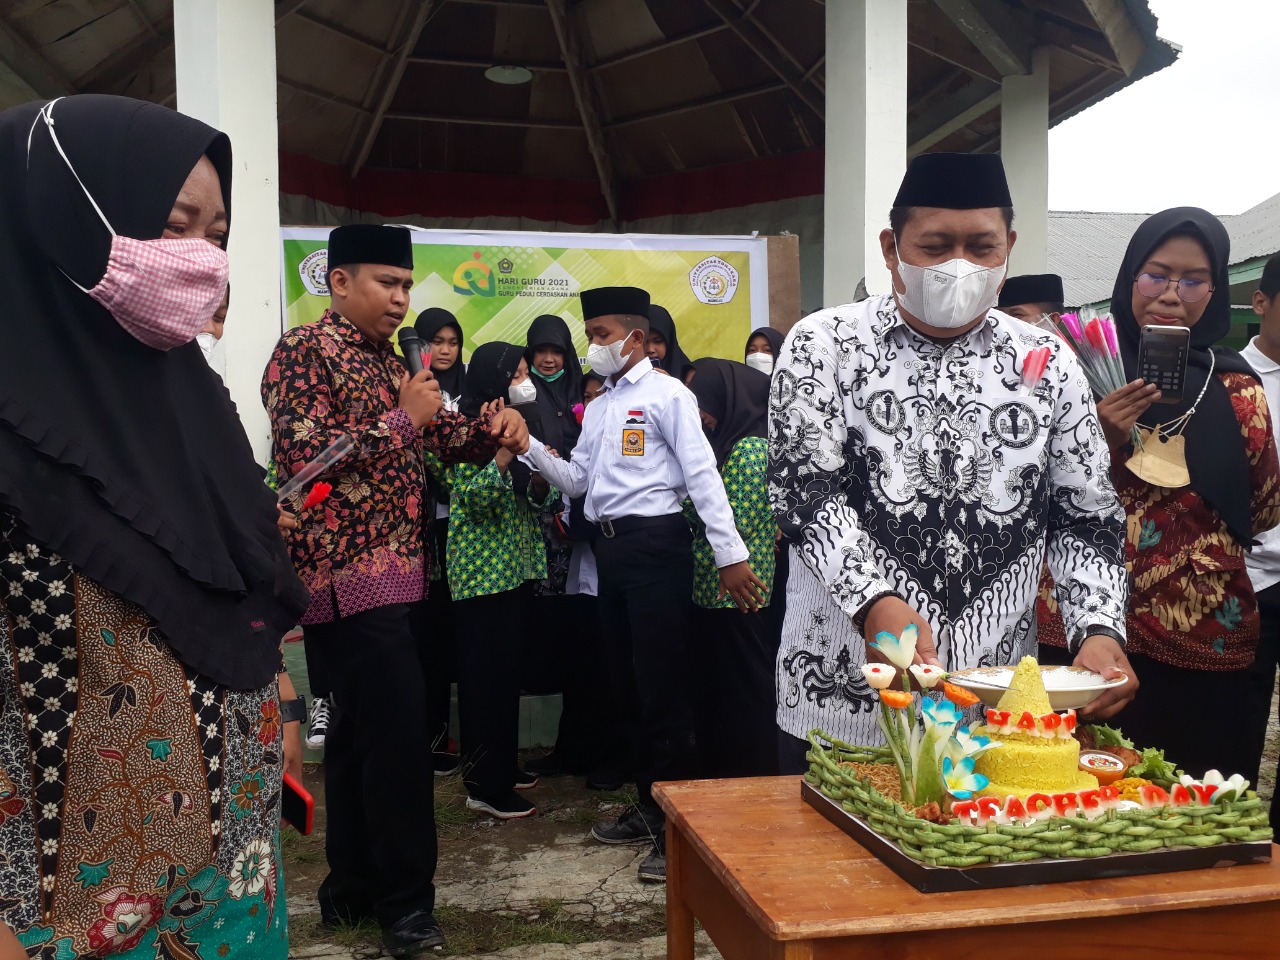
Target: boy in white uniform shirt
[642, 450]
[1263, 561]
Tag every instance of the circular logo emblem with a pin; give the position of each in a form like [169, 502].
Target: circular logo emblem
[714, 281]
[314, 271]
[885, 412]
[1015, 424]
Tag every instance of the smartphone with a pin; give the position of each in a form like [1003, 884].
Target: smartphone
[1162, 360]
[297, 806]
[532, 414]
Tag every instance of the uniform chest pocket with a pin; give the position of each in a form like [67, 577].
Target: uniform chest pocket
[637, 447]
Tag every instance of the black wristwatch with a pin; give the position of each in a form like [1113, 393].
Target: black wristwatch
[292, 711]
[1098, 630]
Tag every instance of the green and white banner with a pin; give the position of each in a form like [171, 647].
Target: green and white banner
[496, 283]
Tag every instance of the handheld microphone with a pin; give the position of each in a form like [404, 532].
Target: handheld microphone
[411, 347]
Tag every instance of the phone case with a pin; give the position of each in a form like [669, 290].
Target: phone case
[297, 806]
[1162, 360]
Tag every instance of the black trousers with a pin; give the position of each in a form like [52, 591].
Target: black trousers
[576, 666]
[791, 754]
[645, 602]
[317, 671]
[1262, 683]
[378, 776]
[436, 633]
[734, 710]
[490, 652]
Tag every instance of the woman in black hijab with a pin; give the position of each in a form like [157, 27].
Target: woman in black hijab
[441, 332]
[495, 557]
[1192, 626]
[146, 587]
[557, 375]
[763, 347]
[734, 660]
[663, 346]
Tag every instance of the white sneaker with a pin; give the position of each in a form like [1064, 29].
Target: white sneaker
[318, 723]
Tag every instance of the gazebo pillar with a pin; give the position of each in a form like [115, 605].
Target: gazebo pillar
[226, 72]
[866, 139]
[1024, 146]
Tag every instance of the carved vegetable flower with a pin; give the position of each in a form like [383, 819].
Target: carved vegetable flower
[927, 675]
[879, 675]
[960, 779]
[900, 650]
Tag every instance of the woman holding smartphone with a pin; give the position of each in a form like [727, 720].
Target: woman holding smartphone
[1198, 483]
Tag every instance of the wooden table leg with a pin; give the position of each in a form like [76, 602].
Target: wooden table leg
[679, 916]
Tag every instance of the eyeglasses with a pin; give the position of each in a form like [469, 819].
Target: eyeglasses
[1190, 290]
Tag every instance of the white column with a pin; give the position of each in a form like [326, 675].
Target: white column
[226, 65]
[1024, 145]
[866, 139]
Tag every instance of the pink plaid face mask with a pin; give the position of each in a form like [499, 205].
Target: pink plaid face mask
[162, 292]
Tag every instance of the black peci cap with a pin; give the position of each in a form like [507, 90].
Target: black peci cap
[1031, 288]
[609, 301]
[954, 181]
[370, 243]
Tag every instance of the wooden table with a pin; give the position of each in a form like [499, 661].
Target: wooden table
[770, 879]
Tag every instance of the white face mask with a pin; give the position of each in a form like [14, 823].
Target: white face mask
[606, 359]
[761, 361]
[523, 392]
[950, 294]
[208, 343]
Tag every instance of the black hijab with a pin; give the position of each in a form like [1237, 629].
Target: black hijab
[675, 362]
[738, 397]
[489, 375]
[556, 400]
[130, 462]
[775, 338]
[430, 322]
[1216, 457]
[493, 365]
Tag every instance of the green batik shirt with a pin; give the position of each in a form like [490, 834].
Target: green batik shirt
[495, 542]
[747, 487]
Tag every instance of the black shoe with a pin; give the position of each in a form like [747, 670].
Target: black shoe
[634, 826]
[334, 914]
[608, 778]
[413, 935]
[511, 807]
[524, 780]
[653, 868]
[552, 765]
[445, 763]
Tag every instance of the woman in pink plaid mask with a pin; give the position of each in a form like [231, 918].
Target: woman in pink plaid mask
[144, 587]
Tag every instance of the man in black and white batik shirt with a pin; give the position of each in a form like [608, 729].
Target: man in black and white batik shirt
[919, 483]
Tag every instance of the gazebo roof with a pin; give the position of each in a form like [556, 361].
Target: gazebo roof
[618, 90]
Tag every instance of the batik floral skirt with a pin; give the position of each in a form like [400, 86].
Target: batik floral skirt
[139, 801]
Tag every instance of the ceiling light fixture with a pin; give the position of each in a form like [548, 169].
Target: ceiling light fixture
[509, 76]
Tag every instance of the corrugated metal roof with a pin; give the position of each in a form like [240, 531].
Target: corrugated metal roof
[1085, 247]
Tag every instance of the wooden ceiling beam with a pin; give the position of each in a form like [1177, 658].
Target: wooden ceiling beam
[951, 114]
[130, 58]
[1121, 32]
[485, 121]
[30, 66]
[142, 15]
[438, 61]
[422, 11]
[1082, 45]
[967, 60]
[338, 30]
[319, 94]
[700, 104]
[667, 44]
[589, 102]
[286, 7]
[989, 29]
[758, 41]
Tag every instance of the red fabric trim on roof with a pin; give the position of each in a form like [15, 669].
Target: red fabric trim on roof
[398, 193]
